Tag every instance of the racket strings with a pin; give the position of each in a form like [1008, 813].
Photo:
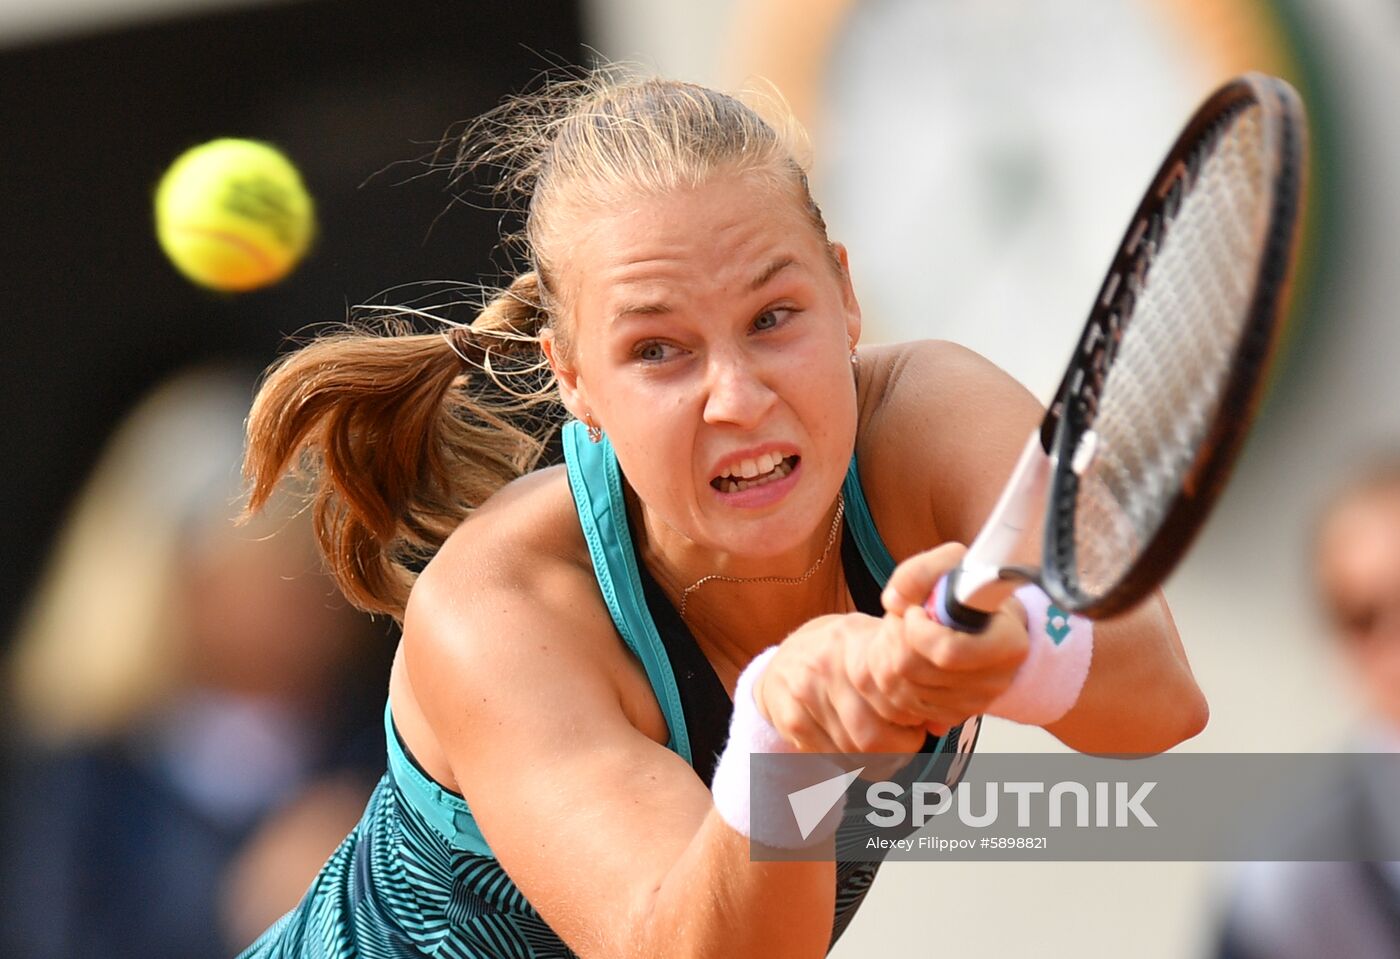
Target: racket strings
[1180, 310]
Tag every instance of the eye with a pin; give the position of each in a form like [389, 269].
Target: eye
[771, 319]
[653, 351]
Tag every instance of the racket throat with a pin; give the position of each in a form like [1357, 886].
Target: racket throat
[991, 571]
[980, 591]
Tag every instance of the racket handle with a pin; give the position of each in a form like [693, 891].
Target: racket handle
[943, 606]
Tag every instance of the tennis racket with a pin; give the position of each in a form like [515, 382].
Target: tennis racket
[1140, 437]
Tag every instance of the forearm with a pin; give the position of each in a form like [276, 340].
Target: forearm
[1140, 696]
[716, 902]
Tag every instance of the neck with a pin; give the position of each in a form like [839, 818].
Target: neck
[738, 605]
[732, 623]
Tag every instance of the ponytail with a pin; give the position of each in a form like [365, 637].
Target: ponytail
[402, 435]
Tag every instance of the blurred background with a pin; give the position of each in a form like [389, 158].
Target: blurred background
[980, 161]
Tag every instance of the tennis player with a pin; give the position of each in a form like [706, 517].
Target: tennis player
[731, 560]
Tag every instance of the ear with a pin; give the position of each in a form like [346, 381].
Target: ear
[848, 293]
[571, 390]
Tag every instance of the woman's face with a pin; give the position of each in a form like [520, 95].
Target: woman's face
[712, 341]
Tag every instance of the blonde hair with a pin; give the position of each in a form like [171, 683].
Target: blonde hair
[404, 433]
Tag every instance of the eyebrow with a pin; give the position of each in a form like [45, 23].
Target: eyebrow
[640, 309]
[657, 308]
[772, 270]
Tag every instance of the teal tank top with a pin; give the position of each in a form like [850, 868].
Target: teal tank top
[417, 878]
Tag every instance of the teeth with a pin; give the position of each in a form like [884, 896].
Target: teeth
[732, 482]
[748, 469]
[753, 472]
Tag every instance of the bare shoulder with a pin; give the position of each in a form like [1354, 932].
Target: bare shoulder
[507, 607]
[905, 382]
[518, 565]
[525, 536]
[940, 428]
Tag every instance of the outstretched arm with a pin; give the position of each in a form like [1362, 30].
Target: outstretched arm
[946, 427]
[611, 836]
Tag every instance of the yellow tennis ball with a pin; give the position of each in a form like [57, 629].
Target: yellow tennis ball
[234, 215]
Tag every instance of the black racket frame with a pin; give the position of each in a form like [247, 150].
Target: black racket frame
[1074, 408]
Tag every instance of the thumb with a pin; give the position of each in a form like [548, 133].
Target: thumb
[913, 580]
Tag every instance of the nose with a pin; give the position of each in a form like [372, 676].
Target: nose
[737, 393]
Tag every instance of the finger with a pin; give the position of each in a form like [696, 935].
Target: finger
[958, 699]
[901, 706]
[811, 730]
[795, 719]
[873, 660]
[913, 580]
[1003, 643]
[1015, 609]
[905, 664]
[905, 680]
[860, 729]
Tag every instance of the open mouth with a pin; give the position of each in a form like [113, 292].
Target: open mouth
[751, 473]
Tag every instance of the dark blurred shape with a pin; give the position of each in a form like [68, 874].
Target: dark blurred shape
[95, 315]
[177, 682]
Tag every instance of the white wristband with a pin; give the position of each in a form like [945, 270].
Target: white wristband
[752, 796]
[1049, 682]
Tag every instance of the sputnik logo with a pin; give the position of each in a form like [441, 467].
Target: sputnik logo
[811, 804]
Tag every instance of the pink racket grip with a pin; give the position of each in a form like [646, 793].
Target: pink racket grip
[943, 606]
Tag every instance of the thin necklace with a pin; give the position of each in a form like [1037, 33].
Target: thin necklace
[776, 580]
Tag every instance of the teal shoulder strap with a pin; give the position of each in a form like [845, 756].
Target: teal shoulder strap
[596, 483]
[872, 549]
